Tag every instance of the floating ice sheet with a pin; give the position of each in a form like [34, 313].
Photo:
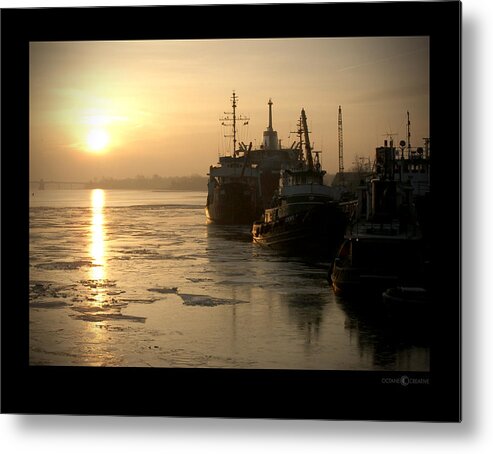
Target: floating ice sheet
[163, 289]
[48, 304]
[101, 317]
[63, 265]
[207, 301]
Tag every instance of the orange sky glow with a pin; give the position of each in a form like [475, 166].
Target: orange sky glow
[125, 108]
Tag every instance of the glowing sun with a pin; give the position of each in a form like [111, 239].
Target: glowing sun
[97, 140]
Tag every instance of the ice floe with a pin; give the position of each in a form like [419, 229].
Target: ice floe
[206, 301]
[163, 289]
[63, 265]
[48, 304]
[139, 300]
[98, 283]
[101, 317]
[44, 289]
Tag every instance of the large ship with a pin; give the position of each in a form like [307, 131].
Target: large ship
[243, 183]
[306, 216]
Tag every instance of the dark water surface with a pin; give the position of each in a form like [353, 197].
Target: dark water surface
[137, 278]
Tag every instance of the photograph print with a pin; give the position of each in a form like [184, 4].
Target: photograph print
[244, 203]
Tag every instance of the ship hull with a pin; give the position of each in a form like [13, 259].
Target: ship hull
[231, 204]
[317, 230]
[366, 266]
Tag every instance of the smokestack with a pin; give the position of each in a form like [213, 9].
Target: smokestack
[271, 142]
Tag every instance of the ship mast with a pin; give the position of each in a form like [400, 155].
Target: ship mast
[299, 133]
[408, 135]
[234, 119]
[308, 149]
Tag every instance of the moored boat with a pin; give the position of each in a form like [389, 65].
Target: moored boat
[306, 215]
[233, 190]
[404, 298]
[385, 247]
[242, 184]
[368, 264]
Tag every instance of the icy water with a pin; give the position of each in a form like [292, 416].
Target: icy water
[137, 278]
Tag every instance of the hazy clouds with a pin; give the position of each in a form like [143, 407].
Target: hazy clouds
[160, 101]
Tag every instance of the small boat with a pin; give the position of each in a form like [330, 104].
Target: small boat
[306, 215]
[402, 298]
[409, 306]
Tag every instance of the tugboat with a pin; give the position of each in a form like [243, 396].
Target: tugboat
[387, 246]
[306, 216]
[242, 184]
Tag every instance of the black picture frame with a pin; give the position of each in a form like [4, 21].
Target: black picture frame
[293, 394]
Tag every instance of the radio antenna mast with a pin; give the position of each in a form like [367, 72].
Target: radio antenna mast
[234, 119]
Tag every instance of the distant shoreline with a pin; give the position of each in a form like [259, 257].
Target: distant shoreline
[34, 190]
[154, 183]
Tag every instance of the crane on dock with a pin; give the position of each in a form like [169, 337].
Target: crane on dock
[341, 145]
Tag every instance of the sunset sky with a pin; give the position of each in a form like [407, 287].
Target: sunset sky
[125, 108]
